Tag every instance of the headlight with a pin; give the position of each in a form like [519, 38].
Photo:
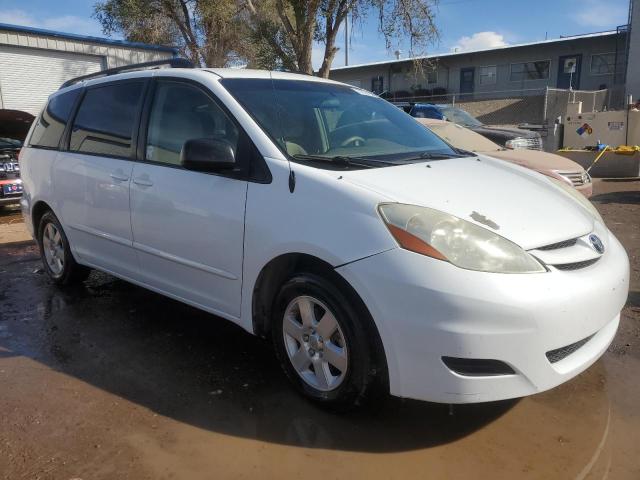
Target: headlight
[517, 143]
[581, 199]
[464, 244]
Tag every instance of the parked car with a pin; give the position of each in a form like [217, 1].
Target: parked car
[545, 163]
[10, 183]
[512, 138]
[372, 254]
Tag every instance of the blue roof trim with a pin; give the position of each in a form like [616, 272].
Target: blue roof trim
[87, 38]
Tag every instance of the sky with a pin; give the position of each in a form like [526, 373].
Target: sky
[464, 24]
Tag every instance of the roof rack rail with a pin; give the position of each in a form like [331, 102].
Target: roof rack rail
[171, 62]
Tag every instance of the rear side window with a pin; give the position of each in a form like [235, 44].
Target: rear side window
[105, 121]
[52, 122]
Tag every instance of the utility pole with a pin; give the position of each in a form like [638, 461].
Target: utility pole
[346, 40]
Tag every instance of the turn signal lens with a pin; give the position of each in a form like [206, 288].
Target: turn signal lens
[409, 241]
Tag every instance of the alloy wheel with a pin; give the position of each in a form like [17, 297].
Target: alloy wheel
[53, 248]
[315, 343]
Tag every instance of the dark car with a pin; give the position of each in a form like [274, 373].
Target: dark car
[10, 183]
[513, 138]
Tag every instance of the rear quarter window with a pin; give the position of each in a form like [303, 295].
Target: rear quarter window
[53, 120]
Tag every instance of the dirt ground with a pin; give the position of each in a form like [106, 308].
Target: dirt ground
[109, 381]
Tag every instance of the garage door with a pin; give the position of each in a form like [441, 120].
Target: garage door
[29, 75]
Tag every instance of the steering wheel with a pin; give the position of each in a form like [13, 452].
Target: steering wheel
[355, 140]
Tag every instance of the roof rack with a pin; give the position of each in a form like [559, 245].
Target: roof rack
[171, 63]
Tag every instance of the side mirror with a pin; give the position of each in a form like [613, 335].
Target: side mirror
[207, 155]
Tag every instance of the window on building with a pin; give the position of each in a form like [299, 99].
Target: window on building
[377, 84]
[603, 64]
[105, 120]
[432, 76]
[52, 122]
[530, 71]
[183, 112]
[488, 75]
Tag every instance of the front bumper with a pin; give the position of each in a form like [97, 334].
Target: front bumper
[586, 189]
[10, 200]
[426, 309]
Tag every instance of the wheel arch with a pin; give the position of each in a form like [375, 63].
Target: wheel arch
[275, 273]
[37, 211]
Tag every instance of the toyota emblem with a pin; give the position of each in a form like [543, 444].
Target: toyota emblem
[596, 243]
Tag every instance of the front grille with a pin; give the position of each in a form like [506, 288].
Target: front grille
[576, 265]
[563, 352]
[577, 179]
[9, 167]
[556, 246]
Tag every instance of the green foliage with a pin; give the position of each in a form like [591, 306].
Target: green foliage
[263, 33]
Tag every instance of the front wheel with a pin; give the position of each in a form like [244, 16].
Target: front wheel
[324, 343]
[56, 255]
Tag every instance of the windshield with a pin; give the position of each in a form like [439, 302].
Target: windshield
[328, 120]
[460, 117]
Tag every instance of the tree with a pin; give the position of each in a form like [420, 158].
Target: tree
[264, 33]
[291, 27]
[208, 32]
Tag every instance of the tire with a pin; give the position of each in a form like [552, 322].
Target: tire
[341, 372]
[56, 255]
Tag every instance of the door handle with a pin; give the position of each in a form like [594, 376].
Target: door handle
[143, 182]
[119, 177]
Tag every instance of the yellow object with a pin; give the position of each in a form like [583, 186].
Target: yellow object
[619, 150]
[598, 157]
[627, 149]
[613, 162]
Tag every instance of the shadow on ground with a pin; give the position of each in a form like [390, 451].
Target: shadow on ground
[195, 368]
[634, 299]
[624, 197]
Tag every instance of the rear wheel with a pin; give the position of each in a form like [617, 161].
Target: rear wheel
[324, 343]
[56, 255]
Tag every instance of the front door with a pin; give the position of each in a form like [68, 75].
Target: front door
[467, 79]
[188, 227]
[569, 68]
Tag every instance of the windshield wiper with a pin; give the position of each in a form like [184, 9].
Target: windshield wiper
[466, 153]
[442, 156]
[343, 160]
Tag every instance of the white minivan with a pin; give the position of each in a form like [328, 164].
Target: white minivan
[375, 256]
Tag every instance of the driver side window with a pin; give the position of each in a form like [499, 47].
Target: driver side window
[182, 112]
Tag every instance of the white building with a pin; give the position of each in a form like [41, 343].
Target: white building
[35, 62]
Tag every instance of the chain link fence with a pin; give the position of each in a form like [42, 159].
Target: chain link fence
[510, 107]
[556, 101]
[524, 106]
[534, 109]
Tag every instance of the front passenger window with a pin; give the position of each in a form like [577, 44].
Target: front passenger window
[182, 112]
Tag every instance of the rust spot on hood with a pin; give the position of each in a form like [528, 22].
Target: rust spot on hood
[478, 217]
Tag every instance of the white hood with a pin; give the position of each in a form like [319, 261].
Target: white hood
[518, 204]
